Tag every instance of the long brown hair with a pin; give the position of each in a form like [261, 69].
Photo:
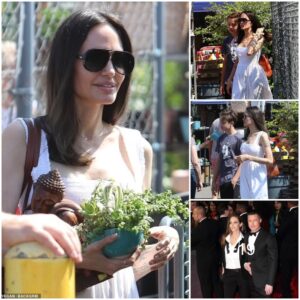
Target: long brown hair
[255, 25]
[228, 222]
[258, 118]
[61, 122]
[228, 228]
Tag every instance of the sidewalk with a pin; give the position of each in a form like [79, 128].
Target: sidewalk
[205, 193]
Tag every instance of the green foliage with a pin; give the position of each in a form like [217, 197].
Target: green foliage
[176, 160]
[216, 28]
[285, 119]
[51, 20]
[176, 84]
[141, 87]
[112, 207]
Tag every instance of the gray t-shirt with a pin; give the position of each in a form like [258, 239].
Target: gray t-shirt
[228, 146]
[229, 50]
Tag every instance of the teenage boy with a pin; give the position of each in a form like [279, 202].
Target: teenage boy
[229, 51]
[228, 147]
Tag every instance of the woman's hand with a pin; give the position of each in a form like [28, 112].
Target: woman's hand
[157, 255]
[168, 243]
[94, 259]
[247, 267]
[241, 158]
[48, 230]
[234, 181]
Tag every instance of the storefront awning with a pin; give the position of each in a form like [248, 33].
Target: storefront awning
[208, 102]
[204, 6]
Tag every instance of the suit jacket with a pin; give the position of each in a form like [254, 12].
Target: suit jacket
[264, 259]
[288, 234]
[204, 237]
[222, 225]
[244, 219]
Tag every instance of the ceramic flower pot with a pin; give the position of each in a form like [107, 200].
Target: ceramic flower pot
[125, 244]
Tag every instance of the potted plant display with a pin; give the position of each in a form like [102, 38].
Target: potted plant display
[113, 209]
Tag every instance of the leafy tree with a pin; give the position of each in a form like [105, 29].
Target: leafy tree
[216, 28]
[285, 119]
[176, 85]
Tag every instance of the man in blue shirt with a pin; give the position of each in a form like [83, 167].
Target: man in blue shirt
[228, 147]
[229, 51]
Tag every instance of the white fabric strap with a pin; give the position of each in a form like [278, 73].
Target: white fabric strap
[258, 137]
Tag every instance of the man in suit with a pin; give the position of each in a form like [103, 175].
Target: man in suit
[288, 238]
[223, 219]
[241, 210]
[261, 258]
[205, 238]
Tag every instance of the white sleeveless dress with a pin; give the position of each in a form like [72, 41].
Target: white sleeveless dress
[253, 178]
[123, 284]
[250, 80]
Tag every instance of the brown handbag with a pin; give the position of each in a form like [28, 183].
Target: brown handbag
[31, 160]
[264, 62]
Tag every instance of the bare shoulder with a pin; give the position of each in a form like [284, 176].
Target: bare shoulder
[146, 145]
[14, 144]
[264, 138]
[13, 159]
[264, 135]
[14, 134]
[138, 136]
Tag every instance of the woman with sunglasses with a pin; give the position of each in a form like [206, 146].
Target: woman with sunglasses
[248, 79]
[88, 76]
[256, 155]
[233, 258]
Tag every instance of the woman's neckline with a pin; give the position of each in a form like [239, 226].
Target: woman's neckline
[82, 179]
[257, 133]
[238, 239]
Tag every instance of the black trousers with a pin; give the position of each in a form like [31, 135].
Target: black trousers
[228, 192]
[235, 281]
[209, 280]
[257, 291]
[193, 184]
[288, 265]
[226, 95]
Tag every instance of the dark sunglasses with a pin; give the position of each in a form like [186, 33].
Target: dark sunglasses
[243, 20]
[95, 60]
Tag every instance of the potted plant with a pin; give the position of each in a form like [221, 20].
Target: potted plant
[112, 209]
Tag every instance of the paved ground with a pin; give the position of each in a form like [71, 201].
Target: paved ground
[205, 193]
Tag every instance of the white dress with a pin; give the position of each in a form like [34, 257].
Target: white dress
[250, 80]
[253, 178]
[123, 284]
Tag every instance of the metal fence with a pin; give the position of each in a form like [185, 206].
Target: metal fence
[285, 49]
[181, 262]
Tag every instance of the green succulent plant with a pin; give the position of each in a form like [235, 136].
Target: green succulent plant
[110, 206]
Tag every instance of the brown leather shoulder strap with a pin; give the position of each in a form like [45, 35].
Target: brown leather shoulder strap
[32, 156]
